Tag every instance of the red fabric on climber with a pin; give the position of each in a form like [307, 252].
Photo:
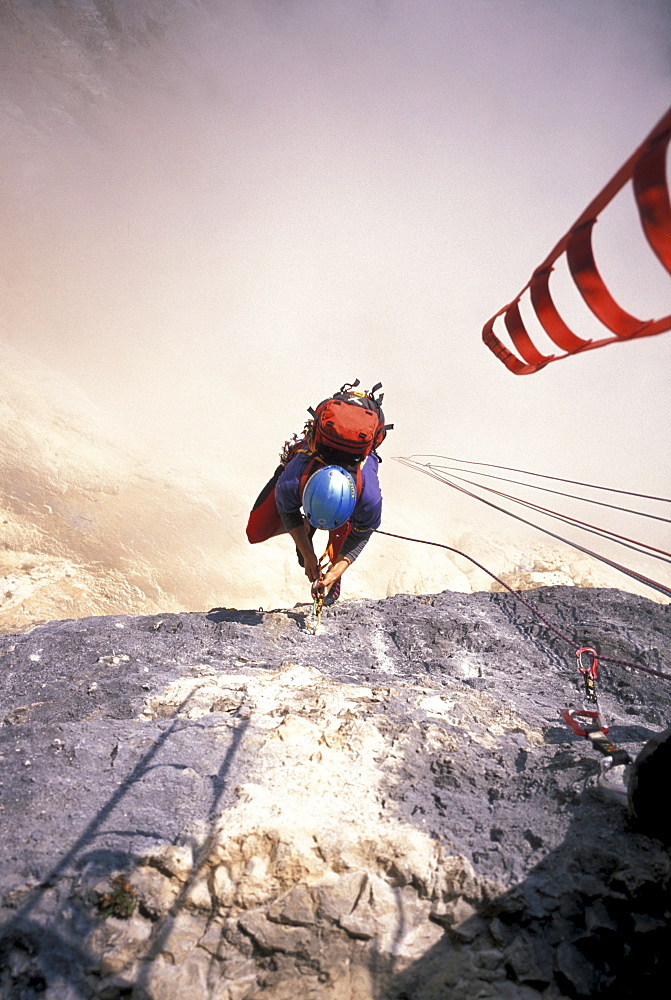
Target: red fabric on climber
[264, 520]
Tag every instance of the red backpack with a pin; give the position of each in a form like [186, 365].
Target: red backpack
[344, 430]
[350, 422]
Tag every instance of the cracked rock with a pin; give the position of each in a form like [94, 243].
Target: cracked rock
[344, 837]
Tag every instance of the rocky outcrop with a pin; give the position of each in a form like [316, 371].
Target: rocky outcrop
[225, 806]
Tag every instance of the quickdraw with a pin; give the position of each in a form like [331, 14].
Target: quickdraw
[591, 723]
[591, 675]
[295, 444]
[583, 722]
[314, 619]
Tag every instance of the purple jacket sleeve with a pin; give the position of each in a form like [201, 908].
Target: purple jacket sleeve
[287, 492]
[367, 515]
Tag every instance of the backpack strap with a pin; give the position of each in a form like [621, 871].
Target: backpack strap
[335, 542]
[309, 469]
[358, 479]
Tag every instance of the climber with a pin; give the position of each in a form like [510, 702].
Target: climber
[331, 502]
[332, 472]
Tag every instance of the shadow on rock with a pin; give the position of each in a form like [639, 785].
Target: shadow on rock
[62, 925]
[590, 920]
[218, 615]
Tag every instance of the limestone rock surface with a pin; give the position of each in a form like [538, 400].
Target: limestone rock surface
[224, 806]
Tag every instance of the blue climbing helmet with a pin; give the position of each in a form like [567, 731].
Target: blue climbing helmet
[329, 497]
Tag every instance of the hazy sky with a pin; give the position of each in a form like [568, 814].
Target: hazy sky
[278, 197]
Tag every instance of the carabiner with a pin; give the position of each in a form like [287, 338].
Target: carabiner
[593, 669]
[313, 620]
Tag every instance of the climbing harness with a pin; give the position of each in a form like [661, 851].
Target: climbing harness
[591, 723]
[646, 168]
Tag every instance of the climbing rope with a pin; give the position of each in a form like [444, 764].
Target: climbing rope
[588, 723]
[551, 625]
[640, 577]
[629, 543]
[546, 489]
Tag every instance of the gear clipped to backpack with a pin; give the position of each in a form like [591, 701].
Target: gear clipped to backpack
[350, 422]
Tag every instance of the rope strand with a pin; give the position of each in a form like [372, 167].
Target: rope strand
[612, 536]
[606, 659]
[595, 555]
[547, 489]
[558, 479]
